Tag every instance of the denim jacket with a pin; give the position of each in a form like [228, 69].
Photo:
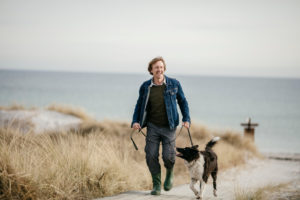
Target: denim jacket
[172, 93]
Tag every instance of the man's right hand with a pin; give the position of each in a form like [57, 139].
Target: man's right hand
[136, 126]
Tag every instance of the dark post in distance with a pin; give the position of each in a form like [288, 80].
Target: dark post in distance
[249, 128]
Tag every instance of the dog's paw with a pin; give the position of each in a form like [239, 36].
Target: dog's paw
[198, 197]
[215, 193]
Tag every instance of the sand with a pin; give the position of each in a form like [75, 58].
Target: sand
[39, 120]
[257, 173]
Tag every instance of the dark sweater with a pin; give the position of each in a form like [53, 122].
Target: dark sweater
[156, 106]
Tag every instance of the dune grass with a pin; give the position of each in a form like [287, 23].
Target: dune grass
[16, 106]
[263, 193]
[95, 161]
[70, 110]
[67, 165]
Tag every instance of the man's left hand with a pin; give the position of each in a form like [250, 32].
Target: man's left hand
[186, 124]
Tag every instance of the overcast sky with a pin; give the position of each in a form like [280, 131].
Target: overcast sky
[227, 38]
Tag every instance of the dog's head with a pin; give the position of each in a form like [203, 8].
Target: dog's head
[188, 153]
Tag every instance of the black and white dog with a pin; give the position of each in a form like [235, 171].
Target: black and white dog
[201, 164]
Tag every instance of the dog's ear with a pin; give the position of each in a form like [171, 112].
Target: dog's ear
[195, 146]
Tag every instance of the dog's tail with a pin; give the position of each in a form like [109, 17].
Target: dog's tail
[211, 143]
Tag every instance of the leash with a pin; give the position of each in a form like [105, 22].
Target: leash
[140, 130]
[135, 146]
[188, 133]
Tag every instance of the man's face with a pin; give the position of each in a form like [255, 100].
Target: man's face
[158, 69]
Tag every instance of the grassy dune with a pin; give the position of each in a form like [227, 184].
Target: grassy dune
[265, 193]
[70, 110]
[96, 160]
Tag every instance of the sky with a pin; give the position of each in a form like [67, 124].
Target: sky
[201, 37]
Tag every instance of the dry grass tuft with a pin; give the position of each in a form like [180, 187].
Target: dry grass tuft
[258, 194]
[70, 110]
[16, 106]
[106, 127]
[24, 126]
[236, 149]
[13, 185]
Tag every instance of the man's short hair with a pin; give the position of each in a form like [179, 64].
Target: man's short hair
[153, 61]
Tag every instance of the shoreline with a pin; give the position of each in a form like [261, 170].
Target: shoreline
[282, 156]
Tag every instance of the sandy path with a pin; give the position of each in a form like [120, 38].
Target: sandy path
[256, 174]
[41, 120]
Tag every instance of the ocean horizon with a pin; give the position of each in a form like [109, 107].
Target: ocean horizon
[215, 101]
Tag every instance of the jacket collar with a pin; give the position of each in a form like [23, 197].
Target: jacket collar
[166, 81]
[152, 82]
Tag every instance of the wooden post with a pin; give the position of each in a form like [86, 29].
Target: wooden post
[249, 128]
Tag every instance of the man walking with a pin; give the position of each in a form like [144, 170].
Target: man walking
[156, 108]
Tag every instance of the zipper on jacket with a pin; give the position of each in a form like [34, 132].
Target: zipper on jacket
[145, 112]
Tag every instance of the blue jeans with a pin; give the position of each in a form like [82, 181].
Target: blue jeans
[155, 135]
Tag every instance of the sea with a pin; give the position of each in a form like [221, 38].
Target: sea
[216, 102]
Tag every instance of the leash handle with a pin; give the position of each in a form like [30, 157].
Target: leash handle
[190, 136]
[135, 146]
[188, 133]
[140, 130]
[131, 138]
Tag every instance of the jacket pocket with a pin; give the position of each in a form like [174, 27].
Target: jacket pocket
[172, 91]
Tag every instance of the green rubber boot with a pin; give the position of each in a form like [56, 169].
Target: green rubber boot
[156, 180]
[168, 184]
